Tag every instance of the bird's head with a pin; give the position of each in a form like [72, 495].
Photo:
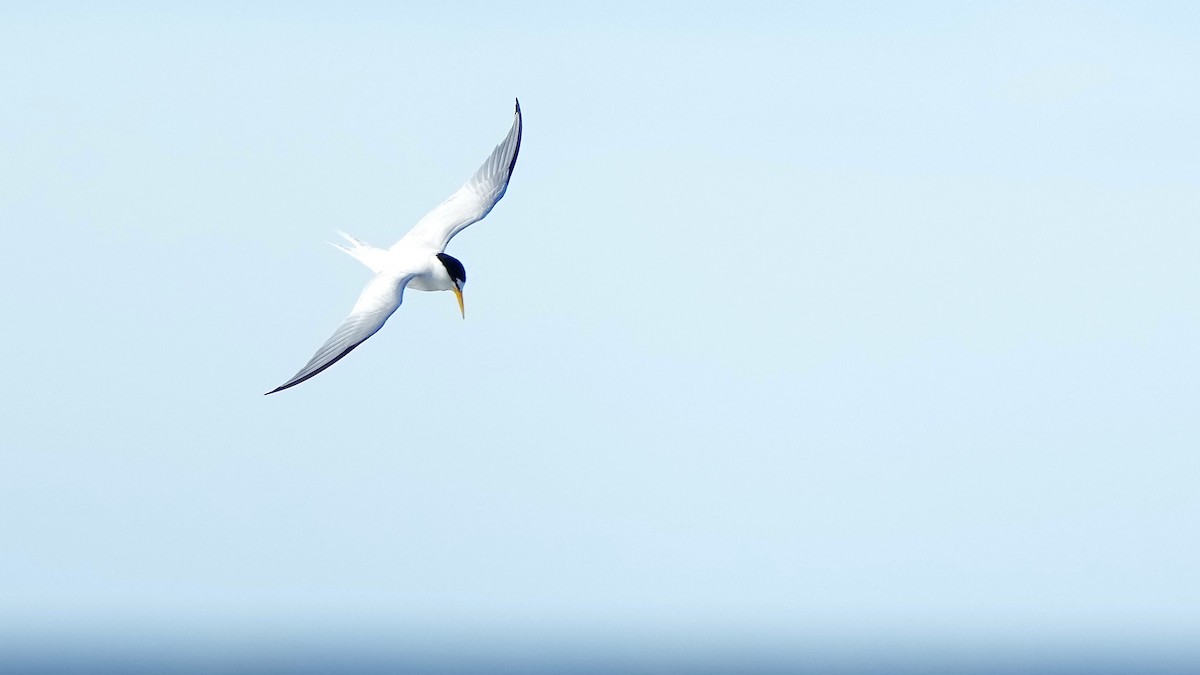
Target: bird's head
[458, 278]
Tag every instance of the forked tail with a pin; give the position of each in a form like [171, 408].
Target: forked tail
[361, 251]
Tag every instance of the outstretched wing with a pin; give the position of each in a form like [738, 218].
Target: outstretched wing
[474, 200]
[379, 299]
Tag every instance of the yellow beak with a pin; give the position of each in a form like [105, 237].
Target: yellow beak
[461, 309]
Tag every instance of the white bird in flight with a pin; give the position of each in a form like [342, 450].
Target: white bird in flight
[418, 260]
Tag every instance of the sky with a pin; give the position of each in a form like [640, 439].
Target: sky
[842, 328]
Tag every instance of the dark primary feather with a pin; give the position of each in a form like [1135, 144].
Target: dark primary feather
[378, 301]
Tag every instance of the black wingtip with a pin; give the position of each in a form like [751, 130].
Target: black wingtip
[318, 371]
[520, 122]
[288, 385]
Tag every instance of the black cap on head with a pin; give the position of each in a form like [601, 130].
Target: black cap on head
[457, 272]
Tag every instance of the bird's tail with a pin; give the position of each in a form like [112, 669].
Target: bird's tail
[361, 251]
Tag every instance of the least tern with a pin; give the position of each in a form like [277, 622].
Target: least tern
[418, 260]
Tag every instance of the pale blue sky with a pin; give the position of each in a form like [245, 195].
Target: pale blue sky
[849, 322]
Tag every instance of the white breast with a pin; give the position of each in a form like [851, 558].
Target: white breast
[429, 274]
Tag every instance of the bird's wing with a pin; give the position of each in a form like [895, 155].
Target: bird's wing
[379, 299]
[474, 200]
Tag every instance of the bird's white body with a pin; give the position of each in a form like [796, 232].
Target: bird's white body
[417, 261]
[420, 263]
[432, 278]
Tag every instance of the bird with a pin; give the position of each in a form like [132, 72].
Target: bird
[419, 260]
